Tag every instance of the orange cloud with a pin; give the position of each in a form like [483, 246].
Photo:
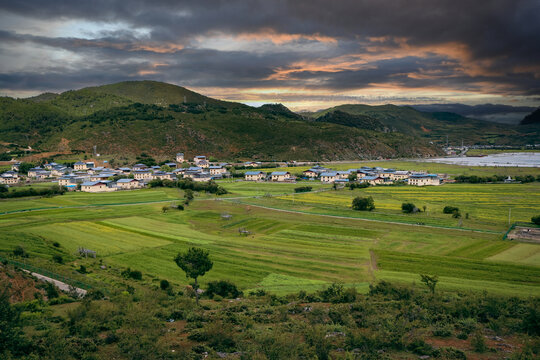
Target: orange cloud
[282, 38]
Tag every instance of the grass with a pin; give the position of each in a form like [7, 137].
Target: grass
[288, 251]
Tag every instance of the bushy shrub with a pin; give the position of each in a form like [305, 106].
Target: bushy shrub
[223, 288]
[390, 290]
[536, 220]
[479, 343]
[164, 284]
[336, 293]
[408, 208]
[450, 209]
[19, 251]
[133, 274]
[58, 259]
[363, 203]
[302, 189]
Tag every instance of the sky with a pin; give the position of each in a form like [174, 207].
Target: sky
[306, 54]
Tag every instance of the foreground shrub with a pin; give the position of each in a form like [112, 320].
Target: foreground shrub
[336, 293]
[223, 288]
[133, 274]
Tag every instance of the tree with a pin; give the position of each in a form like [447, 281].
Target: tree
[195, 262]
[10, 331]
[536, 220]
[24, 167]
[408, 208]
[430, 281]
[363, 204]
[353, 176]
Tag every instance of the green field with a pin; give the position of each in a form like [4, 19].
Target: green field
[305, 242]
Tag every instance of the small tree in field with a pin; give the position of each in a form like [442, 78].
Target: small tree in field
[408, 208]
[536, 220]
[363, 204]
[430, 281]
[195, 262]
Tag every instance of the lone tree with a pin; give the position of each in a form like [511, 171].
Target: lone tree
[195, 262]
[363, 204]
[430, 281]
[408, 208]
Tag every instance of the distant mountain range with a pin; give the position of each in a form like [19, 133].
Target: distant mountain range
[504, 114]
[161, 119]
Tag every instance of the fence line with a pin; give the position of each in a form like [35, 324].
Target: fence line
[518, 223]
[47, 273]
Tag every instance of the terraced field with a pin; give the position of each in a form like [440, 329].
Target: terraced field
[289, 251]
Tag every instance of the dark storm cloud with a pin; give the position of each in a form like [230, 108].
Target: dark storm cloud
[473, 44]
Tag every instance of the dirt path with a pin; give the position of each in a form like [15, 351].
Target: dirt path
[59, 284]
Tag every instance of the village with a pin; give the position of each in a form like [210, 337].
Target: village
[87, 177]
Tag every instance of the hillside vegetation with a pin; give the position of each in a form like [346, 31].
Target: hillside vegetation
[131, 117]
[436, 126]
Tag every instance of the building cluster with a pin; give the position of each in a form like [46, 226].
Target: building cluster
[372, 176]
[88, 177]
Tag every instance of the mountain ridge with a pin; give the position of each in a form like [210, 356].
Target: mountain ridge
[158, 118]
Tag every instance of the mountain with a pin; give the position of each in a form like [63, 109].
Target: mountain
[498, 113]
[532, 119]
[352, 120]
[437, 126]
[161, 119]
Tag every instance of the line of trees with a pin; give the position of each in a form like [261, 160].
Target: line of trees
[31, 191]
[474, 179]
[188, 184]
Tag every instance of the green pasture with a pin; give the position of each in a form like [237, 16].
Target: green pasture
[490, 206]
[288, 251]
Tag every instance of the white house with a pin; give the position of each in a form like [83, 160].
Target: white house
[217, 170]
[180, 158]
[201, 176]
[198, 159]
[329, 177]
[400, 175]
[424, 179]
[161, 175]
[128, 184]
[98, 186]
[79, 165]
[281, 176]
[9, 178]
[310, 173]
[254, 175]
[373, 180]
[142, 174]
